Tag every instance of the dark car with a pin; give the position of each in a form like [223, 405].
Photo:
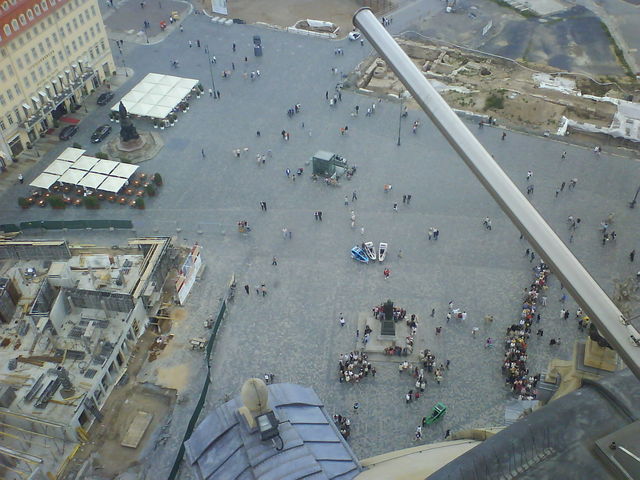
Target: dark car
[105, 98]
[101, 133]
[68, 132]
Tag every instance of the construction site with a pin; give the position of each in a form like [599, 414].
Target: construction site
[71, 318]
[537, 99]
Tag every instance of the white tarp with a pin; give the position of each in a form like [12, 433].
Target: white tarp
[113, 184]
[44, 180]
[71, 154]
[72, 176]
[85, 163]
[124, 170]
[58, 167]
[104, 166]
[92, 180]
[320, 24]
[156, 90]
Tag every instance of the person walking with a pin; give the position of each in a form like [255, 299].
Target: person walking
[190, 44]
[504, 135]
[246, 289]
[632, 255]
[274, 262]
[342, 320]
[203, 154]
[346, 200]
[21, 180]
[354, 196]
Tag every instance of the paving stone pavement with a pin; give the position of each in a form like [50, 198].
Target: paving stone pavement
[294, 331]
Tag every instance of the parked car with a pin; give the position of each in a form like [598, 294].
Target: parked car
[104, 98]
[68, 132]
[101, 133]
[354, 36]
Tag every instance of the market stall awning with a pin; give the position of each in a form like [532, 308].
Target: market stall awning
[58, 167]
[113, 184]
[124, 170]
[104, 166]
[72, 176]
[71, 154]
[85, 163]
[45, 180]
[156, 90]
[92, 180]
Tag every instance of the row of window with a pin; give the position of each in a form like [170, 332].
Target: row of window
[8, 29]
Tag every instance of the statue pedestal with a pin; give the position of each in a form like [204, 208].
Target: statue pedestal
[131, 145]
[596, 356]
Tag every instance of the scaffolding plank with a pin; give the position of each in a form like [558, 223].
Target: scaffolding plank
[137, 429]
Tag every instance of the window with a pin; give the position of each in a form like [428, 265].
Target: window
[75, 23]
[61, 55]
[37, 9]
[2, 100]
[47, 65]
[47, 41]
[87, 15]
[3, 78]
[86, 36]
[74, 45]
[92, 31]
[7, 30]
[21, 41]
[54, 35]
[34, 77]
[26, 82]
[17, 112]
[29, 14]
[45, 7]
[80, 41]
[54, 60]
[27, 58]
[14, 25]
[40, 72]
[17, 89]
[5, 5]
[23, 19]
[68, 27]
[9, 94]
[34, 54]
[66, 49]
[91, 53]
[93, 10]
[19, 63]
[10, 70]
[41, 47]
[9, 119]
[2, 126]
[81, 18]
[52, 2]
[28, 36]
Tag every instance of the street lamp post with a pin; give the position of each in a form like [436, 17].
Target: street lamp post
[632, 203]
[401, 95]
[213, 83]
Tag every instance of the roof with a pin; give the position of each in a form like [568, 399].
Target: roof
[223, 447]
[156, 95]
[558, 440]
[71, 154]
[44, 180]
[323, 155]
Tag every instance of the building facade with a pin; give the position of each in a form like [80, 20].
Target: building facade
[53, 53]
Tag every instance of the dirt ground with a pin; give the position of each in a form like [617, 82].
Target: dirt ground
[109, 458]
[492, 87]
[285, 13]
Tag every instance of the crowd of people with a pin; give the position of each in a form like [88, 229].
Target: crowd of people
[354, 367]
[517, 336]
[343, 424]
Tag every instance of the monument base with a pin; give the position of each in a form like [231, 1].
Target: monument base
[131, 145]
[151, 144]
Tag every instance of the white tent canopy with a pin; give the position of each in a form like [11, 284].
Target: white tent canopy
[85, 163]
[73, 176]
[92, 180]
[45, 180]
[124, 170]
[113, 184]
[58, 167]
[71, 154]
[104, 166]
[156, 95]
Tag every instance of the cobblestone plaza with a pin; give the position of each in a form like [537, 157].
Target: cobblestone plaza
[294, 331]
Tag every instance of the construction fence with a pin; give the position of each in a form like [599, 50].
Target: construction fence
[65, 224]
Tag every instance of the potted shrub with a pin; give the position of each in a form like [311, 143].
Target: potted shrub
[57, 202]
[76, 145]
[23, 202]
[139, 203]
[91, 202]
[150, 190]
[102, 156]
[157, 179]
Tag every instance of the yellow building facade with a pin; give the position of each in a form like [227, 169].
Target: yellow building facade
[53, 53]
